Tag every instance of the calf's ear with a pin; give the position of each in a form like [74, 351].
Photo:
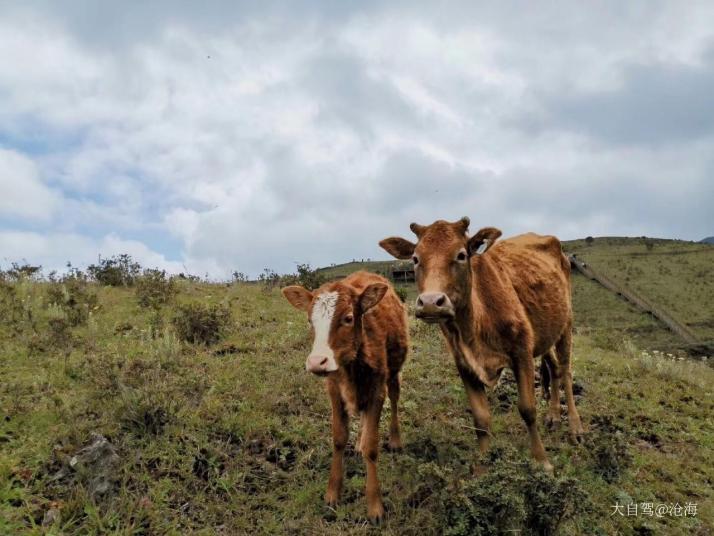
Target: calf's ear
[480, 242]
[298, 297]
[398, 247]
[371, 296]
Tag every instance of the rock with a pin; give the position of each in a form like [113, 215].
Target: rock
[51, 517]
[96, 465]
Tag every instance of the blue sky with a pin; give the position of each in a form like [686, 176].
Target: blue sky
[236, 136]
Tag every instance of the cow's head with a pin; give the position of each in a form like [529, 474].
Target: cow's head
[335, 314]
[442, 264]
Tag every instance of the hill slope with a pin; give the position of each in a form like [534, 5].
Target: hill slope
[234, 438]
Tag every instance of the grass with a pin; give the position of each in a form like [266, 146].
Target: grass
[233, 437]
[676, 275]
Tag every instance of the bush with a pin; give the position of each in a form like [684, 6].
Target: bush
[608, 448]
[154, 289]
[72, 294]
[199, 323]
[308, 278]
[117, 271]
[269, 279]
[402, 293]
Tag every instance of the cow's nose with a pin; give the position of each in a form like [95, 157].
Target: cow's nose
[434, 307]
[317, 364]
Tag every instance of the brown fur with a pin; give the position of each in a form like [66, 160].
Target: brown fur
[370, 352]
[512, 303]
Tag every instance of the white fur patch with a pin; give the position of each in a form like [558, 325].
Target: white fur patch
[322, 312]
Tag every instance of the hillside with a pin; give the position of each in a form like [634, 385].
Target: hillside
[233, 437]
[676, 275]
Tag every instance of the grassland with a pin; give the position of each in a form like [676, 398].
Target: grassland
[675, 275]
[233, 438]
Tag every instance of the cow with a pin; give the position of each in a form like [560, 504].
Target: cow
[360, 342]
[498, 305]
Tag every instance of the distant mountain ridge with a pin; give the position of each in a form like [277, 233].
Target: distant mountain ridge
[707, 240]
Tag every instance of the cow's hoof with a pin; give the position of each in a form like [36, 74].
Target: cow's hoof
[577, 438]
[548, 467]
[552, 422]
[394, 445]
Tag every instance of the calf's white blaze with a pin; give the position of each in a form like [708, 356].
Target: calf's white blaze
[322, 312]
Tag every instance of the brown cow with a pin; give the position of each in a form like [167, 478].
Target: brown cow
[498, 305]
[360, 342]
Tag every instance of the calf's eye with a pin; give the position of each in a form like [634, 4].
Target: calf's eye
[461, 256]
[415, 259]
[348, 319]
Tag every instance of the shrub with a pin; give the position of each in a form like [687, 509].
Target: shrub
[16, 272]
[72, 294]
[239, 277]
[117, 271]
[608, 448]
[154, 289]
[269, 279]
[308, 278]
[199, 323]
[402, 293]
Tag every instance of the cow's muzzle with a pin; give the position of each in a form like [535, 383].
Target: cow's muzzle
[434, 307]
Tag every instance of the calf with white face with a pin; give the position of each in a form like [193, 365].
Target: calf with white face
[360, 341]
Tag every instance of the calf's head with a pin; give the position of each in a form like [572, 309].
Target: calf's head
[335, 314]
[442, 264]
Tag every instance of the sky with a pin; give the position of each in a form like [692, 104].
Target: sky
[214, 136]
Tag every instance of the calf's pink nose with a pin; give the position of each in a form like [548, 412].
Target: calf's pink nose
[316, 363]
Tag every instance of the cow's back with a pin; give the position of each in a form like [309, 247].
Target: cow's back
[540, 275]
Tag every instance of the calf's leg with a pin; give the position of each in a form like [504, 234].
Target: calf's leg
[370, 453]
[394, 386]
[340, 434]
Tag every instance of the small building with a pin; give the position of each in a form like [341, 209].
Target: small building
[403, 272]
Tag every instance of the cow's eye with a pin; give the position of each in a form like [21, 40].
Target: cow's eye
[347, 319]
[415, 259]
[461, 256]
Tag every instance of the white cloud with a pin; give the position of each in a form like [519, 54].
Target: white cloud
[23, 194]
[301, 134]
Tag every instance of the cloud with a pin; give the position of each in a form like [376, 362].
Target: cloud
[239, 136]
[24, 195]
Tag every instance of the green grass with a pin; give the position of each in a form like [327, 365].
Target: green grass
[235, 439]
[675, 275]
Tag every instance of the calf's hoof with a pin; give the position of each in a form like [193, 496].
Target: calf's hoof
[547, 467]
[332, 497]
[375, 513]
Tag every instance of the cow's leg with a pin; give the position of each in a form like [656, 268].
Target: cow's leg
[552, 419]
[476, 393]
[544, 378]
[340, 434]
[524, 370]
[360, 435]
[564, 349]
[370, 453]
[394, 386]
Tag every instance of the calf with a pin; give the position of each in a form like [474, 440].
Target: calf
[360, 342]
[498, 305]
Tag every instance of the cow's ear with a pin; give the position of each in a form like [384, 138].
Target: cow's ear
[298, 297]
[398, 247]
[371, 296]
[483, 240]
